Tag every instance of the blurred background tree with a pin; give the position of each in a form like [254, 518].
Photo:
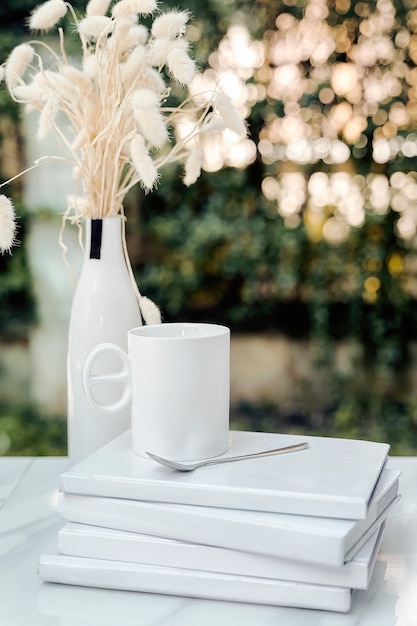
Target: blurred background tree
[313, 235]
[307, 228]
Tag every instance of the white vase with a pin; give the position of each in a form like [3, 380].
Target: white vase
[104, 308]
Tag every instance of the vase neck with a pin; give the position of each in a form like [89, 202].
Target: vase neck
[103, 238]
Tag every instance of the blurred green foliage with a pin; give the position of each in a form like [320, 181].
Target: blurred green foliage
[215, 251]
[25, 432]
[17, 301]
[368, 418]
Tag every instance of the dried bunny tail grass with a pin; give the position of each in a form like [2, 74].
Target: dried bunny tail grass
[192, 168]
[61, 85]
[133, 66]
[47, 15]
[97, 7]
[94, 26]
[80, 140]
[77, 173]
[153, 80]
[181, 67]
[150, 312]
[124, 8]
[148, 118]
[79, 205]
[215, 124]
[91, 66]
[140, 33]
[77, 77]
[122, 30]
[47, 118]
[38, 91]
[31, 94]
[143, 164]
[159, 50]
[137, 35]
[122, 27]
[8, 226]
[170, 24]
[19, 59]
[40, 80]
[152, 126]
[145, 99]
[225, 108]
[113, 103]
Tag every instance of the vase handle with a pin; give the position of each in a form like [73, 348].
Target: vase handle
[91, 380]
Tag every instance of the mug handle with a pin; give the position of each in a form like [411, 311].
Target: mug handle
[91, 380]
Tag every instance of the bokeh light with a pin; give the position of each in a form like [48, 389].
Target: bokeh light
[339, 87]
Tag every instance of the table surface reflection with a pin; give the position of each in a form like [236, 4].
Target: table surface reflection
[29, 522]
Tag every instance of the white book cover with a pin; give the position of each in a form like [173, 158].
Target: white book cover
[115, 545]
[88, 572]
[332, 478]
[297, 537]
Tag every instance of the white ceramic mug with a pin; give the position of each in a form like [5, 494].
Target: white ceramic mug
[177, 376]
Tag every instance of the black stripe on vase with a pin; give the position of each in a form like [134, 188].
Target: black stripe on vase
[96, 236]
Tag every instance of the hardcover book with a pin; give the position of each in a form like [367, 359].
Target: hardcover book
[333, 478]
[114, 545]
[88, 572]
[298, 537]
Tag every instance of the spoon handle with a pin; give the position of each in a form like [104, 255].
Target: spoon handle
[293, 448]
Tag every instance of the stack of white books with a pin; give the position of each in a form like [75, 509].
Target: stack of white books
[301, 529]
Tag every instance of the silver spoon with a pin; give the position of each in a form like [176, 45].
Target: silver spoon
[189, 467]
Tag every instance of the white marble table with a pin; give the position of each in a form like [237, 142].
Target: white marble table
[29, 523]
